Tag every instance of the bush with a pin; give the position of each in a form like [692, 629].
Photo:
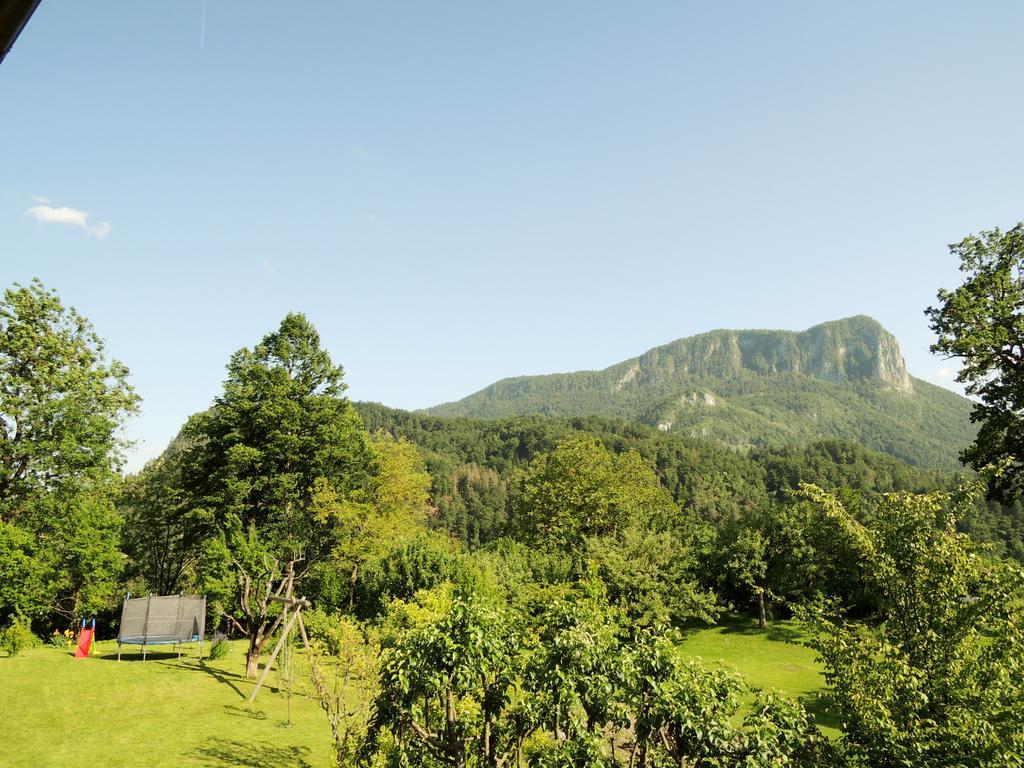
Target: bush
[62, 640]
[17, 637]
[219, 646]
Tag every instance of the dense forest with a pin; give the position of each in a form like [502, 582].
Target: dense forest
[473, 465]
[515, 591]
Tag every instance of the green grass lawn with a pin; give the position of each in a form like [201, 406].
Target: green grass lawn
[775, 658]
[161, 712]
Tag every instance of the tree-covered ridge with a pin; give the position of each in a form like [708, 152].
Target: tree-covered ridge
[473, 462]
[839, 380]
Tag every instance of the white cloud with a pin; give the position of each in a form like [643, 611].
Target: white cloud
[944, 373]
[47, 214]
[100, 231]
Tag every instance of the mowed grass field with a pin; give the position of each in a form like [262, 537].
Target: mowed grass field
[169, 712]
[775, 658]
[58, 710]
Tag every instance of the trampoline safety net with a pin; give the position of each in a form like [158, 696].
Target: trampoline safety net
[162, 619]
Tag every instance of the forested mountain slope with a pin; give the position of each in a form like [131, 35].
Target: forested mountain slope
[473, 465]
[844, 379]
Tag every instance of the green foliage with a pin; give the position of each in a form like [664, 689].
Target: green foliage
[163, 532]
[407, 566]
[982, 323]
[18, 636]
[572, 675]
[938, 680]
[219, 648]
[446, 682]
[343, 671]
[582, 489]
[396, 507]
[61, 404]
[653, 575]
[688, 714]
[280, 458]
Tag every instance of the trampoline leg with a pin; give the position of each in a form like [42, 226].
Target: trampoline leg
[143, 651]
[118, 651]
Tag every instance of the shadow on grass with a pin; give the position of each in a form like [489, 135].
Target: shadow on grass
[252, 714]
[133, 656]
[822, 707]
[226, 678]
[223, 752]
[777, 631]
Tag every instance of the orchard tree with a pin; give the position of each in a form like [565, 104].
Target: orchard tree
[61, 406]
[448, 673]
[982, 324]
[280, 434]
[938, 681]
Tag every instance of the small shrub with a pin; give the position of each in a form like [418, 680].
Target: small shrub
[62, 640]
[17, 637]
[219, 646]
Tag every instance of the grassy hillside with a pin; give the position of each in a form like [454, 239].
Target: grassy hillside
[840, 380]
[161, 712]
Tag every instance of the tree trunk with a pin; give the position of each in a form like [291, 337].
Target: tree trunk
[352, 579]
[252, 655]
[762, 619]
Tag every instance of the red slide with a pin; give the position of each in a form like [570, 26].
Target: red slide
[85, 640]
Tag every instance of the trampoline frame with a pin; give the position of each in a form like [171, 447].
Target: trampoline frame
[177, 640]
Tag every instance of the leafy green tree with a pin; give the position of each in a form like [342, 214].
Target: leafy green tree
[982, 323]
[163, 534]
[582, 489]
[280, 435]
[575, 667]
[396, 507]
[938, 681]
[652, 575]
[406, 566]
[446, 686]
[61, 401]
[61, 405]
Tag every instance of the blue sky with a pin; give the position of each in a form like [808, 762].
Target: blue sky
[456, 192]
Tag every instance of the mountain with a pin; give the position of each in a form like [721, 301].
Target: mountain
[843, 379]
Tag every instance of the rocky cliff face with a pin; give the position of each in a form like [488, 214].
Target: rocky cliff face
[856, 349]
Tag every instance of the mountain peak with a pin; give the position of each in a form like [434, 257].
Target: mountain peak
[852, 349]
[844, 378]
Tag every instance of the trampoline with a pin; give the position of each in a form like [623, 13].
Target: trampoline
[162, 620]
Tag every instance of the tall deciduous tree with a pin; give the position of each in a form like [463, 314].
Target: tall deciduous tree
[396, 506]
[61, 401]
[279, 433]
[982, 324]
[163, 535]
[61, 405]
